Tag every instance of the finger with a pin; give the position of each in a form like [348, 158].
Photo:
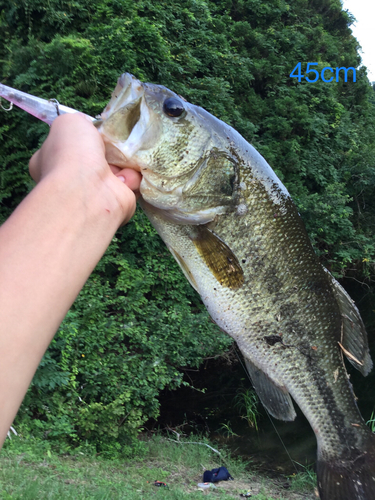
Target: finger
[34, 166]
[74, 134]
[130, 177]
[129, 205]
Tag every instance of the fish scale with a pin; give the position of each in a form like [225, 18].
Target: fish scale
[301, 333]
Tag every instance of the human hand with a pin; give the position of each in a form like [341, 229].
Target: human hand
[74, 150]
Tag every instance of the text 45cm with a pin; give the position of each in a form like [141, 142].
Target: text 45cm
[327, 74]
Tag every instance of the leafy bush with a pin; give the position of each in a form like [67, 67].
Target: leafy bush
[137, 322]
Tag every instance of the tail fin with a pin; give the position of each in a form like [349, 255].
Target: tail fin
[348, 478]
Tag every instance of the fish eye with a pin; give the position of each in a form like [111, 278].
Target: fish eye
[173, 107]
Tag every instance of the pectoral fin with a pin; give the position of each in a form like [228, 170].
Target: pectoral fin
[354, 336]
[275, 398]
[185, 269]
[218, 257]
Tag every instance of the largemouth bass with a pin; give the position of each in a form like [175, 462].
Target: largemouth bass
[232, 227]
[237, 236]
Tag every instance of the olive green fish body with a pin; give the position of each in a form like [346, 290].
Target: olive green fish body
[236, 234]
[287, 324]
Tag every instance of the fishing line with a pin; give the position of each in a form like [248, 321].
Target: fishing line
[268, 415]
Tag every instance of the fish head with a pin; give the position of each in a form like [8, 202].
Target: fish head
[189, 172]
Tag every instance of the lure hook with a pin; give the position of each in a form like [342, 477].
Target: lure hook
[5, 109]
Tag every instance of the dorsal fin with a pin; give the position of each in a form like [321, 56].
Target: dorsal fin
[354, 336]
[275, 398]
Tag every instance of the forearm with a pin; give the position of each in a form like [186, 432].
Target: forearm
[48, 248]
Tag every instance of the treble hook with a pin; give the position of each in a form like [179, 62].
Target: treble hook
[5, 109]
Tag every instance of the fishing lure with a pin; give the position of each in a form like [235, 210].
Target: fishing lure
[43, 109]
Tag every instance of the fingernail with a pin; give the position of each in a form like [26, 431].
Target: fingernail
[122, 179]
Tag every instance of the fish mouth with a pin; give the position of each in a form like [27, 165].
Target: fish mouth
[129, 127]
[125, 124]
[127, 92]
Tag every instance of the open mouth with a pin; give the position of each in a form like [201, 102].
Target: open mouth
[124, 123]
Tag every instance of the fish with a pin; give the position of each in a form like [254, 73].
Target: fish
[237, 236]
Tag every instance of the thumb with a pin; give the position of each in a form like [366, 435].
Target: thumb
[130, 177]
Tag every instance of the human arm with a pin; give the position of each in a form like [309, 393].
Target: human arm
[50, 245]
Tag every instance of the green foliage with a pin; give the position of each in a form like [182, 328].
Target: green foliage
[246, 402]
[305, 480]
[137, 322]
[226, 430]
[371, 422]
[234, 58]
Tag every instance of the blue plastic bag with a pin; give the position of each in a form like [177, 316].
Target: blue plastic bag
[215, 475]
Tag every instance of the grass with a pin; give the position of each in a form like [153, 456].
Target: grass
[304, 481]
[30, 472]
[226, 430]
[371, 422]
[247, 404]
